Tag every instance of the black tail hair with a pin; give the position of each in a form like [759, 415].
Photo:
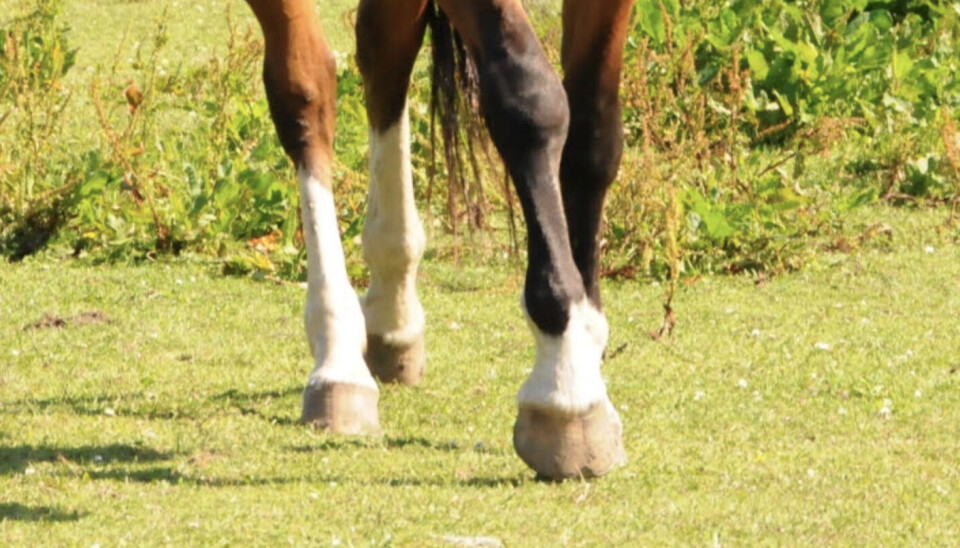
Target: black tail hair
[455, 104]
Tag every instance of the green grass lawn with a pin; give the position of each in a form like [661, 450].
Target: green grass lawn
[816, 408]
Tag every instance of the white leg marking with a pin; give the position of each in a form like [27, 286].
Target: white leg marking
[566, 375]
[334, 321]
[393, 239]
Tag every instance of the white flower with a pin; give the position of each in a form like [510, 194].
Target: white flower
[822, 346]
[886, 411]
[742, 383]
[928, 249]
[698, 395]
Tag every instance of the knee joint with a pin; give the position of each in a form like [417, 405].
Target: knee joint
[525, 105]
[302, 99]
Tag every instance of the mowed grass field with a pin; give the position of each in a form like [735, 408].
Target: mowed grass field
[158, 405]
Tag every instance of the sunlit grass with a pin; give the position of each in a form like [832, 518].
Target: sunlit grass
[814, 408]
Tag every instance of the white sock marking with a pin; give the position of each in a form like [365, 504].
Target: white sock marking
[566, 374]
[393, 238]
[333, 319]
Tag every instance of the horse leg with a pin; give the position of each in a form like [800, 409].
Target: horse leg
[300, 81]
[389, 34]
[566, 426]
[592, 56]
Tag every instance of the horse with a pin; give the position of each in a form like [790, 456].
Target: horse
[561, 142]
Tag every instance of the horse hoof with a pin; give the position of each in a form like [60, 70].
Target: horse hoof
[400, 363]
[562, 446]
[341, 408]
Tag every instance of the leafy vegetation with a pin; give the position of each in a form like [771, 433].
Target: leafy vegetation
[753, 128]
[761, 124]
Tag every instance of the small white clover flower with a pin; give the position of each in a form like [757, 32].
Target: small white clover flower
[886, 411]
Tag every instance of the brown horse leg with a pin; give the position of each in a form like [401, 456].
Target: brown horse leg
[389, 34]
[566, 426]
[592, 56]
[300, 80]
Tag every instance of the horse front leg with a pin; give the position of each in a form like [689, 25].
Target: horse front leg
[300, 81]
[389, 35]
[566, 426]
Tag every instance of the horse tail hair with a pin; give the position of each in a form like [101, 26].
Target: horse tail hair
[455, 107]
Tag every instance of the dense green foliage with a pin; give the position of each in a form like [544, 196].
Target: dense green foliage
[752, 127]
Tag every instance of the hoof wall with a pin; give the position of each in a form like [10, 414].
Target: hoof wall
[391, 362]
[341, 408]
[560, 447]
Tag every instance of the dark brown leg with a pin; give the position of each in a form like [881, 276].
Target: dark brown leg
[592, 57]
[566, 426]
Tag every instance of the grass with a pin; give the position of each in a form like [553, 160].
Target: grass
[814, 408]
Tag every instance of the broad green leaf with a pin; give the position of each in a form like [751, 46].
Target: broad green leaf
[758, 63]
[784, 103]
[902, 63]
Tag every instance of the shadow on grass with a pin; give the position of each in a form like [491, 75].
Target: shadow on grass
[81, 405]
[238, 397]
[129, 404]
[139, 405]
[169, 475]
[14, 511]
[341, 443]
[249, 403]
[15, 459]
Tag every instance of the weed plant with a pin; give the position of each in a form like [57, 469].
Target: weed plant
[752, 129]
